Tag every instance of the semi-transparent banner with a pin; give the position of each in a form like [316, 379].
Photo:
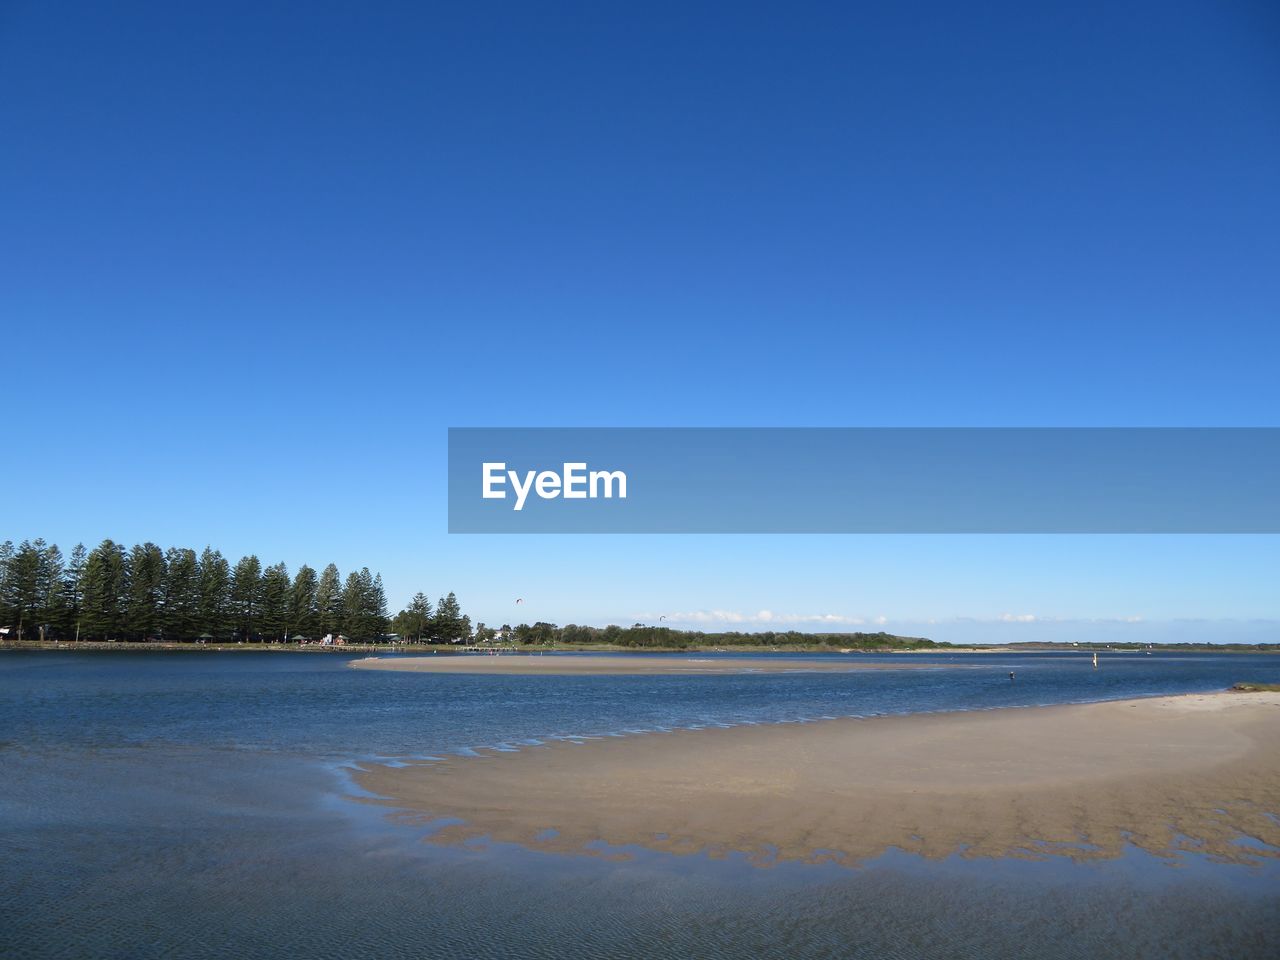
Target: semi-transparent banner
[864, 480]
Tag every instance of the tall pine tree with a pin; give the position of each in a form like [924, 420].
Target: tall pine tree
[414, 622]
[24, 588]
[246, 597]
[329, 601]
[304, 614]
[144, 613]
[449, 625]
[213, 604]
[276, 595]
[7, 617]
[73, 589]
[353, 607]
[106, 584]
[181, 594]
[53, 600]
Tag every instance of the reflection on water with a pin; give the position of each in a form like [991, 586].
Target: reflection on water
[196, 806]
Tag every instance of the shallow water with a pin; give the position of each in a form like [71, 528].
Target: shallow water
[196, 804]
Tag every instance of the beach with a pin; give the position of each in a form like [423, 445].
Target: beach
[1165, 774]
[632, 665]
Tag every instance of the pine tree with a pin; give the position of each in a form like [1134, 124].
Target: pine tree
[145, 610]
[365, 627]
[303, 612]
[246, 596]
[329, 601]
[24, 587]
[53, 602]
[353, 600]
[365, 605]
[105, 587]
[276, 595]
[213, 604]
[181, 594]
[73, 589]
[377, 605]
[7, 612]
[447, 625]
[416, 618]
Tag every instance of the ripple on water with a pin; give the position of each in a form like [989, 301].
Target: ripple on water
[130, 827]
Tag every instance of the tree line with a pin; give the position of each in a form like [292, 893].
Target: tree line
[444, 623]
[145, 593]
[641, 635]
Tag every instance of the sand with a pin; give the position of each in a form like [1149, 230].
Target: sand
[631, 664]
[1168, 774]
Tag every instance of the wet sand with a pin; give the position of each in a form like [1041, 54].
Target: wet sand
[630, 664]
[1166, 774]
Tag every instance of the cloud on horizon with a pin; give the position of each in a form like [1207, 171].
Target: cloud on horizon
[773, 618]
[759, 617]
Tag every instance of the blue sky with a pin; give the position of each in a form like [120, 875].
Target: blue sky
[253, 263]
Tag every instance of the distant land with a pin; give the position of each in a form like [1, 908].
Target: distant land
[546, 637]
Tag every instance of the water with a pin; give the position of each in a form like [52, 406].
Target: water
[197, 804]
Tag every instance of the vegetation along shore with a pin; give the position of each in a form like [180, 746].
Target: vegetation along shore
[117, 597]
[148, 595]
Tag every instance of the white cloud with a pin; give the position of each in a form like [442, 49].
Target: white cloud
[759, 617]
[766, 617]
[1034, 618]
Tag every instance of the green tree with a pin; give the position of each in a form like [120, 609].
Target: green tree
[246, 596]
[106, 585]
[540, 632]
[329, 601]
[181, 605]
[73, 589]
[24, 589]
[213, 605]
[304, 614]
[53, 599]
[376, 607]
[414, 621]
[352, 598]
[448, 625]
[276, 595]
[7, 617]
[365, 606]
[145, 609]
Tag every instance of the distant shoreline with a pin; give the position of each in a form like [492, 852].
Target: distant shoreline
[91, 646]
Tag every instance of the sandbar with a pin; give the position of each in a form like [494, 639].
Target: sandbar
[628, 664]
[1168, 774]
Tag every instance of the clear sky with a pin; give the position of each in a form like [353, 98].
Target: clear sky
[255, 258]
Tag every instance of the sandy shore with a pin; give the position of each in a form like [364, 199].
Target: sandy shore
[634, 664]
[1193, 772]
